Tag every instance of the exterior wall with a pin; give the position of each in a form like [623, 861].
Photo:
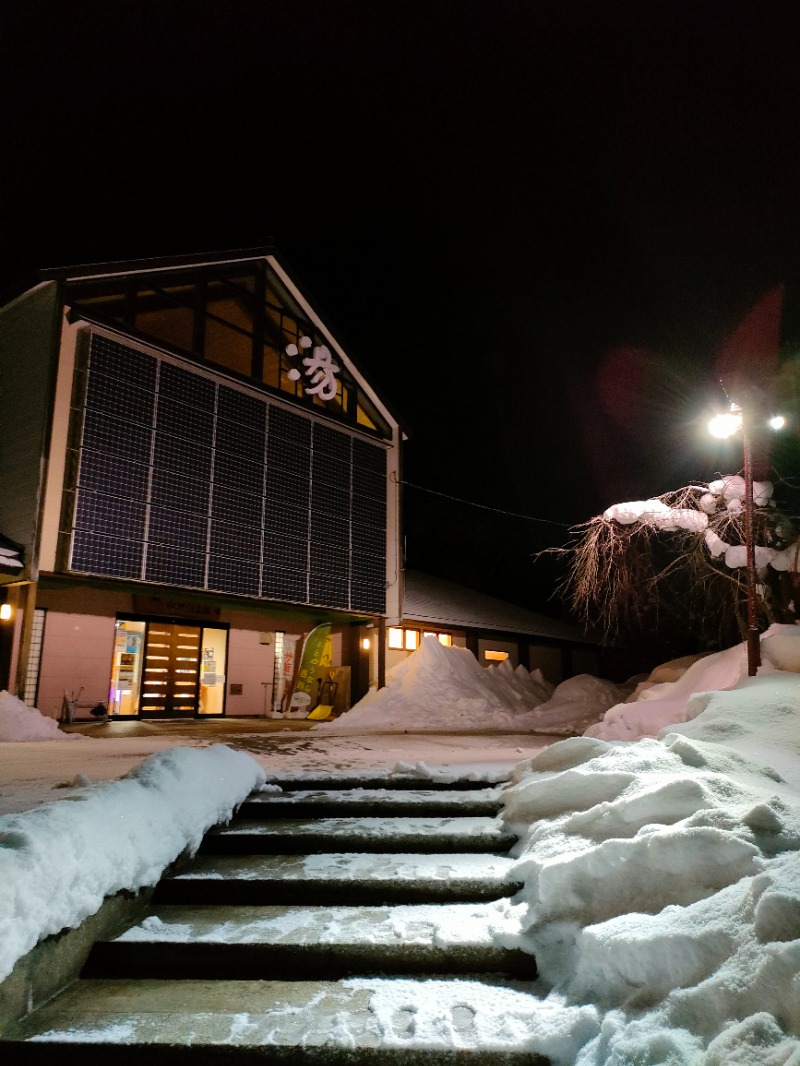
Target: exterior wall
[57, 459]
[27, 328]
[77, 655]
[547, 659]
[251, 664]
[586, 661]
[79, 641]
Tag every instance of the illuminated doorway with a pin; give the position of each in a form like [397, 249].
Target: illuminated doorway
[166, 669]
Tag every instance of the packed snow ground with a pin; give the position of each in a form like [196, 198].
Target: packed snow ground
[659, 853]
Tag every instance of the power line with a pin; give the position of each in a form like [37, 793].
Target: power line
[485, 507]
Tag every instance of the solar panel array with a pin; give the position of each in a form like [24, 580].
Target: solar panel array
[184, 480]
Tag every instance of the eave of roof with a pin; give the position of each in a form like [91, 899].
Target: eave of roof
[432, 600]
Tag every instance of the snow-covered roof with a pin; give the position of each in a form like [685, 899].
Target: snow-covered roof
[436, 602]
[10, 555]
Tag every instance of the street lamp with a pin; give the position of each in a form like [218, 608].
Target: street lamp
[725, 425]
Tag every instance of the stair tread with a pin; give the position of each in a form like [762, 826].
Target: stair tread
[350, 866]
[380, 797]
[352, 1014]
[442, 924]
[368, 826]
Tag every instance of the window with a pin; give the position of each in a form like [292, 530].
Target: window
[238, 317]
[496, 656]
[395, 638]
[409, 639]
[31, 690]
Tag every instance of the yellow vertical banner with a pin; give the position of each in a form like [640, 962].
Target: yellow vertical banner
[312, 660]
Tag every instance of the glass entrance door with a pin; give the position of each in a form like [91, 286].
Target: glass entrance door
[171, 669]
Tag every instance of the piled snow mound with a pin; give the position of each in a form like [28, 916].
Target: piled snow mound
[58, 862]
[19, 722]
[576, 703]
[658, 705]
[662, 882]
[440, 688]
[780, 647]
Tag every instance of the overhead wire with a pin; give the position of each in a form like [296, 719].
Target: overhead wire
[486, 507]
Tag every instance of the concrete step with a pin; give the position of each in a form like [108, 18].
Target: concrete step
[339, 878]
[301, 803]
[368, 834]
[358, 780]
[371, 1022]
[226, 942]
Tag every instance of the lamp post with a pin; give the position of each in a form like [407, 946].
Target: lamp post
[725, 426]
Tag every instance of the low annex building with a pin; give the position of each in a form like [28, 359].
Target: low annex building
[492, 629]
[195, 473]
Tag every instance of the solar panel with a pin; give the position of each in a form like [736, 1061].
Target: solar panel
[183, 480]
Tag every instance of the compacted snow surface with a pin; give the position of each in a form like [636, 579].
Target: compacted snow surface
[659, 853]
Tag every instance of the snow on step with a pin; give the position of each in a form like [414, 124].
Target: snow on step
[340, 877]
[379, 796]
[445, 925]
[342, 1017]
[488, 832]
[349, 866]
[329, 942]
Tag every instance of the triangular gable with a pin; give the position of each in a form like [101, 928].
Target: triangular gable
[241, 313]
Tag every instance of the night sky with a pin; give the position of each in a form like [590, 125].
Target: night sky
[532, 224]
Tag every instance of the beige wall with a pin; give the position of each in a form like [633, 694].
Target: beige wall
[77, 655]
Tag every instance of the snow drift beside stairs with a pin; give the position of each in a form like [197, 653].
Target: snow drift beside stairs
[441, 688]
[662, 878]
[59, 861]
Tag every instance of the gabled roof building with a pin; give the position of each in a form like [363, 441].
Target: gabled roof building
[195, 472]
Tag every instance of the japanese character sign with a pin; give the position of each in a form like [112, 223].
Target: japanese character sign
[320, 369]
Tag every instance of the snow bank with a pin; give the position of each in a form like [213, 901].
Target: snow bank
[58, 862]
[19, 722]
[440, 688]
[658, 705]
[662, 882]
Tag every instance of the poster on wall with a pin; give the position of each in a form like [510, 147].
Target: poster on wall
[284, 668]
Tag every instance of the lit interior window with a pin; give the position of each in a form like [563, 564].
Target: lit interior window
[446, 639]
[412, 639]
[395, 637]
[496, 656]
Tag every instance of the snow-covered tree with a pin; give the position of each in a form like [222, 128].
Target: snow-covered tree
[683, 554]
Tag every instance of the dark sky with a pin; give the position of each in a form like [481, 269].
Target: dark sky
[533, 223]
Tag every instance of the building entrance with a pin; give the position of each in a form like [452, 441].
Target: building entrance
[167, 669]
[171, 669]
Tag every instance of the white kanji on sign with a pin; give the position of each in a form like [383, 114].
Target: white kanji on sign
[320, 367]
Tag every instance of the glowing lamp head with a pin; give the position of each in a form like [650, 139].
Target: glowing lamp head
[5, 612]
[777, 422]
[725, 425]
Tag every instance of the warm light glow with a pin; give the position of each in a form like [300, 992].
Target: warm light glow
[725, 425]
[5, 611]
[496, 656]
[446, 639]
[396, 638]
[365, 643]
[777, 422]
[412, 639]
